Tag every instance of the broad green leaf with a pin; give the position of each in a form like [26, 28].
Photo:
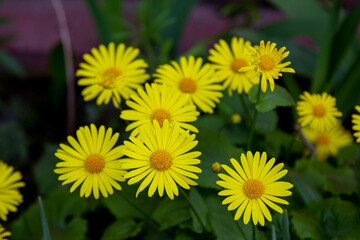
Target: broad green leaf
[266, 122]
[304, 188]
[201, 208]
[11, 65]
[122, 229]
[306, 225]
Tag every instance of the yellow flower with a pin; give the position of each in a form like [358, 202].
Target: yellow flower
[10, 197]
[91, 162]
[159, 103]
[356, 122]
[317, 111]
[4, 234]
[252, 186]
[192, 80]
[160, 158]
[228, 61]
[327, 143]
[266, 61]
[111, 73]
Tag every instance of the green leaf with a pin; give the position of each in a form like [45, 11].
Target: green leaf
[122, 229]
[306, 225]
[10, 64]
[304, 188]
[44, 223]
[100, 21]
[266, 121]
[357, 170]
[200, 206]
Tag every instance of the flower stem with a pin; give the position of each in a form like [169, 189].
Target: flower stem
[253, 123]
[253, 231]
[240, 229]
[193, 208]
[243, 103]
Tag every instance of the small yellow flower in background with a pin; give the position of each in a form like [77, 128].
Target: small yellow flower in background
[111, 74]
[235, 118]
[10, 197]
[4, 234]
[356, 124]
[161, 159]
[252, 186]
[91, 161]
[194, 80]
[327, 143]
[159, 102]
[228, 61]
[266, 61]
[317, 111]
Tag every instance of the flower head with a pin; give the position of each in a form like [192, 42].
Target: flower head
[356, 122]
[91, 162]
[253, 186]
[161, 159]
[228, 61]
[317, 111]
[4, 234]
[266, 61]
[327, 143]
[159, 102]
[10, 197]
[192, 80]
[110, 73]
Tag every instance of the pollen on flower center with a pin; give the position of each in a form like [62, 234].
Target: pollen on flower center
[253, 188]
[94, 163]
[322, 139]
[237, 64]
[109, 77]
[319, 110]
[160, 115]
[266, 62]
[160, 160]
[187, 85]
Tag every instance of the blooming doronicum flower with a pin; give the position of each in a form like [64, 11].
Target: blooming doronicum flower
[159, 102]
[228, 61]
[191, 79]
[253, 186]
[356, 124]
[266, 61]
[91, 161]
[327, 143]
[317, 111]
[10, 197]
[110, 73]
[3, 233]
[161, 159]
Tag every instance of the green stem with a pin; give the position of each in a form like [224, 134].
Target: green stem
[253, 231]
[240, 229]
[253, 123]
[247, 112]
[193, 208]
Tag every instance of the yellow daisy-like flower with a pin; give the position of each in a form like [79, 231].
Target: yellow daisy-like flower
[266, 61]
[228, 61]
[356, 122]
[10, 197]
[3, 233]
[110, 73]
[327, 143]
[191, 79]
[253, 186]
[159, 102]
[317, 111]
[91, 162]
[160, 158]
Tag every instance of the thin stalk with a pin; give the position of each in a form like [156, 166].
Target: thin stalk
[253, 231]
[243, 103]
[253, 123]
[240, 229]
[193, 208]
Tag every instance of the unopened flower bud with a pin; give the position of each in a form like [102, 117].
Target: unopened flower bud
[216, 167]
[235, 118]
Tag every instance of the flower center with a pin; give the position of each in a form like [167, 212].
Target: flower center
[322, 139]
[109, 77]
[253, 188]
[160, 160]
[187, 85]
[267, 62]
[237, 64]
[319, 110]
[94, 163]
[160, 115]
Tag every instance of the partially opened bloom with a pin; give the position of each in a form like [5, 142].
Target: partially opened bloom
[111, 73]
[10, 196]
[329, 142]
[160, 158]
[356, 124]
[267, 63]
[253, 187]
[159, 102]
[91, 161]
[193, 80]
[317, 111]
[3, 233]
[228, 61]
